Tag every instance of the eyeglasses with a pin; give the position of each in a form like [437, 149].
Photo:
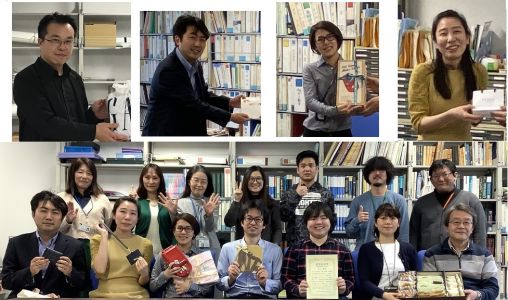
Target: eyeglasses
[329, 37]
[59, 42]
[197, 180]
[457, 223]
[254, 179]
[257, 220]
[181, 228]
[439, 176]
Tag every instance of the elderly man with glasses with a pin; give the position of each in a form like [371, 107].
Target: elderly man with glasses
[426, 227]
[243, 274]
[458, 252]
[51, 98]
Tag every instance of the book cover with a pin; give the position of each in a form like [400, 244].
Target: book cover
[351, 82]
[174, 254]
[249, 257]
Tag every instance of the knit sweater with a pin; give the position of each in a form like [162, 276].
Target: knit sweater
[370, 268]
[424, 100]
[426, 226]
[477, 265]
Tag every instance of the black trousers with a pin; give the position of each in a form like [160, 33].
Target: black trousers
[316, 133]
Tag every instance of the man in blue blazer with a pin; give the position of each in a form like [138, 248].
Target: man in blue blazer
[26, 266]
[180, 103]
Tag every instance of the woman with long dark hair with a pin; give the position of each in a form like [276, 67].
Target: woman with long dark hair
[254, 188]
[441, 91]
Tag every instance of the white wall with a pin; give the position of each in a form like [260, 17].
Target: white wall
[475, 11]
[27, 168]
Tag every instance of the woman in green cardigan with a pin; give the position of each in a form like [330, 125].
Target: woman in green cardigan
[154, 222]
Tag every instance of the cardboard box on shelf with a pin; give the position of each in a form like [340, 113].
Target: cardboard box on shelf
[100, 35]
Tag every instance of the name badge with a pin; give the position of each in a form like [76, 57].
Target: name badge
[84, 228]
[202, 241]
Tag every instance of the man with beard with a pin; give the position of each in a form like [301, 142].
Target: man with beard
[378, 172]
[427, 228]
[295, 200]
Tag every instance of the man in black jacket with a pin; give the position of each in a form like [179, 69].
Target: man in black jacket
[180, 103]
[51, 98]
[26, 264]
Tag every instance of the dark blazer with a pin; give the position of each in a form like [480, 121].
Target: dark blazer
[16, 267]
[173, 110]
[42, 111]
[370, 268]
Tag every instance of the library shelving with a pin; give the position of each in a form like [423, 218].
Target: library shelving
[481, 170]
[99, 67]
[231, 61]
[294, 20]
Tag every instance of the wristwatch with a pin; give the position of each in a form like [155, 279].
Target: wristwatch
[478, 295]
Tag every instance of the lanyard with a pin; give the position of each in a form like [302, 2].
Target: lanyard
[448, 201]
[386, 263]
[197, 212]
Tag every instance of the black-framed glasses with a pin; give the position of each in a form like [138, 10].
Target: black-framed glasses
[59, 42]
[257, 220]
[182, 228]
[329, 37]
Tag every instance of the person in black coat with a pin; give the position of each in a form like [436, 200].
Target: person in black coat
[26, 267]
[51, 98]
[255, 188]
[180, 103]
[380, 261]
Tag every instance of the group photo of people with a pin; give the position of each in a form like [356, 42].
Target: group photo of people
[255, 150]
[86, 245]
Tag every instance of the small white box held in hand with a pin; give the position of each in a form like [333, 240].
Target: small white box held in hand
[487, 101]
[252, 107]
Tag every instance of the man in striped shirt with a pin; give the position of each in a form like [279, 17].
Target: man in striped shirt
[459, 253]
[318, 218]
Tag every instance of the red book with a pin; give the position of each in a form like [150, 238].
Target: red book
[174, 254]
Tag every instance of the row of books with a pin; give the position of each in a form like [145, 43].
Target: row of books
[290, 96]
[481, 186]
[348, 187]
[462, 154]
[416, 47]
[236, 76]
[233, 21]
[341, 212]
[239, 48]
[293, 54]
[298, 17]
[161, 22]
[290, 124]
[158, 46]
[278, 184]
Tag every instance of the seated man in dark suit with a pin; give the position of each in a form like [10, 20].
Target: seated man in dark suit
[180, 103]
[25, 267]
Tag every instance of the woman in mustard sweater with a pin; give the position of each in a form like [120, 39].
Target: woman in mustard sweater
[440, 92]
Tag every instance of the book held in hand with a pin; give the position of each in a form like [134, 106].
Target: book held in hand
[351, 82]
[174, 254]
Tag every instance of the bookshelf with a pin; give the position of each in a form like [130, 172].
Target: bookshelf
[227, 161]
[488, 130]
[294, 20]
[231, 62]
[99, 67]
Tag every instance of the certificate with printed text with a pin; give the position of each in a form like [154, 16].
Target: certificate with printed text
[321, 276]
